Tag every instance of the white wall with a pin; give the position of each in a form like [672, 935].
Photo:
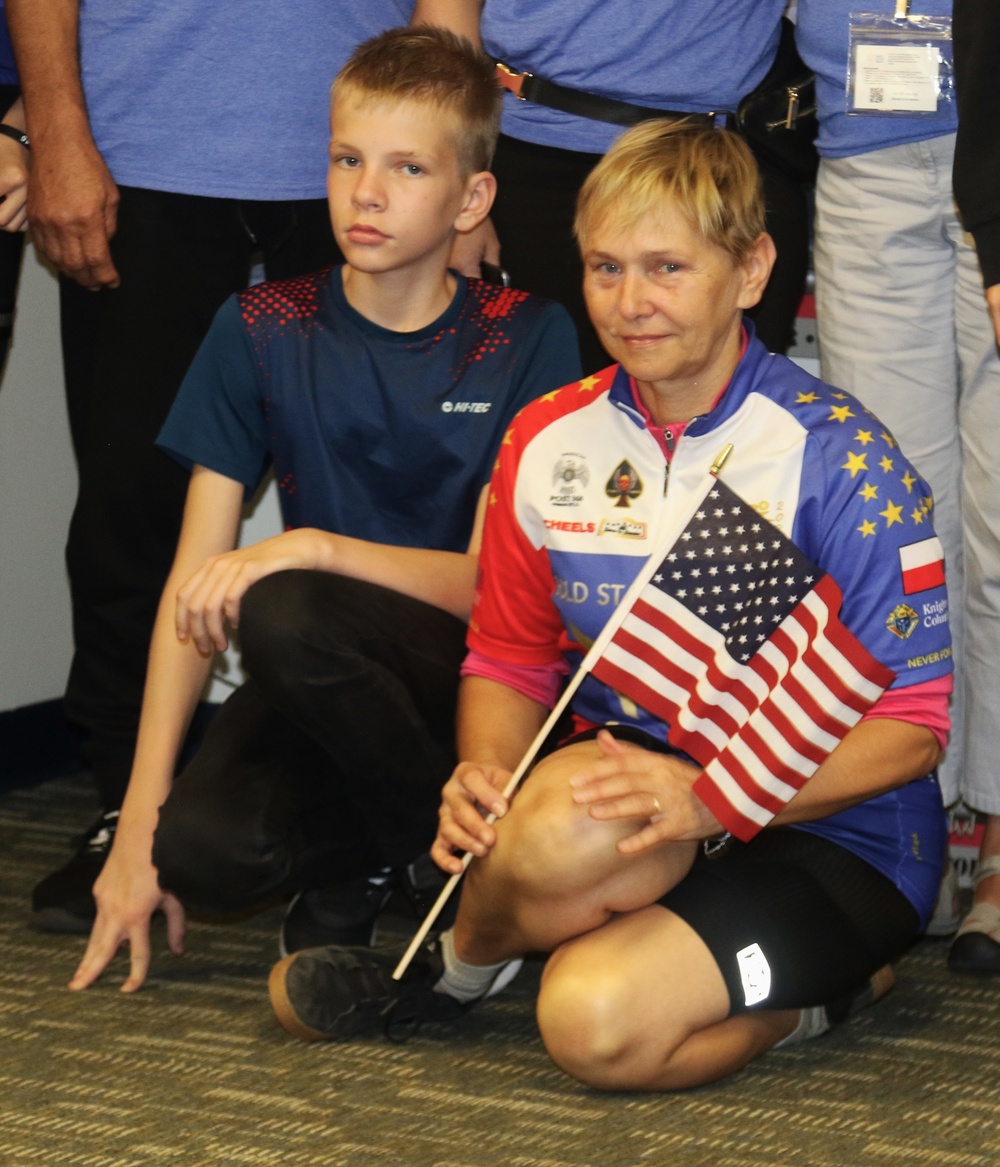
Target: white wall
[37, 490]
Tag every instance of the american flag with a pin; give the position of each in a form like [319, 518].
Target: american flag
[736, 643]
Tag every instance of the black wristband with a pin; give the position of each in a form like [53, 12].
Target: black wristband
[16, 134]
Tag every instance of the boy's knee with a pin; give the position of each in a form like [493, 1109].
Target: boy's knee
[273, 613]
[208, 863]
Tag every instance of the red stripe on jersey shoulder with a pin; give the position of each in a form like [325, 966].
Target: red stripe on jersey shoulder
[558, 403]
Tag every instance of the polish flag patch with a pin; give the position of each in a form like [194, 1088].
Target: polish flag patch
[922, 565]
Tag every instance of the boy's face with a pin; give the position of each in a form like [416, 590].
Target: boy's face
[666, 302]
[396, 191]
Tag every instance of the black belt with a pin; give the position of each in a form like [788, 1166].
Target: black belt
[528, 87]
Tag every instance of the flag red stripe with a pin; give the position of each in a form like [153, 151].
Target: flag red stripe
[923, 578]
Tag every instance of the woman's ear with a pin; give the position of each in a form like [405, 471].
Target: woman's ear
[757, 269]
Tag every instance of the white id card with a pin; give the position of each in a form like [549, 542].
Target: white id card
[900, 66]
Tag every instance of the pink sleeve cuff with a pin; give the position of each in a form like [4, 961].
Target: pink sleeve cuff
[925, 704]
[539, 682]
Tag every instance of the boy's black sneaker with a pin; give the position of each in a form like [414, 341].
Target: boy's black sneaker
[344, 914]
[334, 994]
[64, 900]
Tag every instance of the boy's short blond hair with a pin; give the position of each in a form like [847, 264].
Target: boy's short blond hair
[437, 66]
[709, 175]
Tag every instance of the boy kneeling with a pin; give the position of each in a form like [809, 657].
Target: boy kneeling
[379, 391]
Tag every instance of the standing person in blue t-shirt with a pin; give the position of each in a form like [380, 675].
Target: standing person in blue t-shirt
[380, 391]
[904, 326]
[173, 146]
[615, 63]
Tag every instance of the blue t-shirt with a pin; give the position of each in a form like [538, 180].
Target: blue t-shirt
[8, 69]
[686, 55]
[224, 98]
[380, 435]
[823, 37]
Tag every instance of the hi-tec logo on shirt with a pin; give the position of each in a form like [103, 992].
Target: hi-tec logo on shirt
[465, 406]
[569, 477]
[624, 484]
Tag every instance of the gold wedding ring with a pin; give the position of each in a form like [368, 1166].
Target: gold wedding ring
[657, 808]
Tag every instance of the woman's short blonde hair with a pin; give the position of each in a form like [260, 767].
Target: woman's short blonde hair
[709, 175]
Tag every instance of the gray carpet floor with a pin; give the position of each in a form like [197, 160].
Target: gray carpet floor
[193, 1070]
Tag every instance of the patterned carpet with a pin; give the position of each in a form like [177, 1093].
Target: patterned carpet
[194, 1071]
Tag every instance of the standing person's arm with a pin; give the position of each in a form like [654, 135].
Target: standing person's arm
[72, 198]
[977, 153]
[461, 16]
[127, 891]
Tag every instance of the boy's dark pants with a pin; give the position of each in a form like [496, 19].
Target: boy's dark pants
[328, 763]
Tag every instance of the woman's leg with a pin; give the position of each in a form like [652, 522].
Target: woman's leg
[641, 1004]
[555, 872]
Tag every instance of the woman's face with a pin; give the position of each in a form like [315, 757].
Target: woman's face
[667, 305]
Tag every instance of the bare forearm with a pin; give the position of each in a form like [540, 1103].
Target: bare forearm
[461, 16]
[445, 579]
[876, 756]
[496, 724]
[44, 33]
[175, 678]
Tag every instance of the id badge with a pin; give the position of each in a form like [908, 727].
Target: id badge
[901, 65]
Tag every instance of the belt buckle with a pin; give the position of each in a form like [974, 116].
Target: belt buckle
[510, 80]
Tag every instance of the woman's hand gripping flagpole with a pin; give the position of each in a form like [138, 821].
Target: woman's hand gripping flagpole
[669, 536]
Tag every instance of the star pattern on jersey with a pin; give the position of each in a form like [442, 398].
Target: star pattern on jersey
[886, 485]
[736, 571]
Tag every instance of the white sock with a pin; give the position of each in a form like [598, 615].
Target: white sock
[812, 1023]
[469, 982]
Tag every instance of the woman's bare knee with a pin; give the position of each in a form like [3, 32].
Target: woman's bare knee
[586, 1018]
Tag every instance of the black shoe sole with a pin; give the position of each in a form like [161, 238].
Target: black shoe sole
[284, 1010]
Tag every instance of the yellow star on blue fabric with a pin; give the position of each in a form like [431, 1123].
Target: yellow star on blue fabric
[840, 413]
[855, 463]
[867, 528]
[892, 514]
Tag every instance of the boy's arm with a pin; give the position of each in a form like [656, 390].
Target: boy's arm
[72, 198]
[211, 598]
[127, 891]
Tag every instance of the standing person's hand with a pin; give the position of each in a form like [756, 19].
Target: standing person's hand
[13, 185]
[73, 209]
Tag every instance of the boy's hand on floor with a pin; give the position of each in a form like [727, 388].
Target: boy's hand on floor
[127, 895]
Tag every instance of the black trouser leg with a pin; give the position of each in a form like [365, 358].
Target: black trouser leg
[329, 763]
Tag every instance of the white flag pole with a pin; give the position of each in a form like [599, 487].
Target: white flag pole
[669, 536]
